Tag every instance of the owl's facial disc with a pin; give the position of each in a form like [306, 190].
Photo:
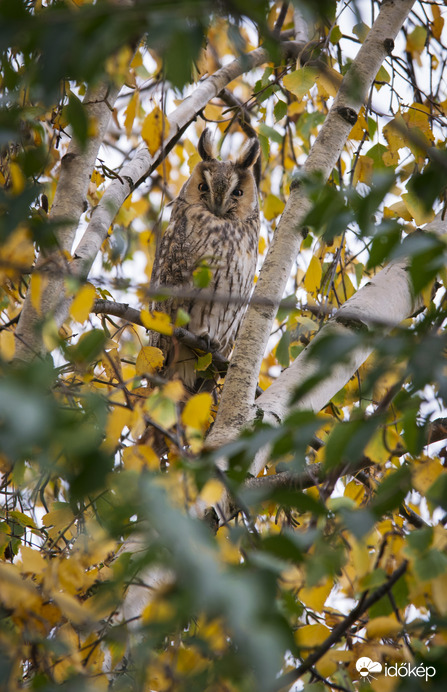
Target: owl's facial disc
[219, 197]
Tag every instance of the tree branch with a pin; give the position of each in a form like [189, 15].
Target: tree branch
[363, 605]
[68, 206]
[196, 343]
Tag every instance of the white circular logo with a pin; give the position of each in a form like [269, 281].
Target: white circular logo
[366, 666]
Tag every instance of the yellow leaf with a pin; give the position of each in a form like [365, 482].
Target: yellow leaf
[376, 450]
[416, 42]
[149, 360]
[384, 626]
[193, 160]
[161, 410]
[155, 129]
[18, 180]
[157, 322]
[112, 364]
[426, 473]
[16, 253]
[315, 596]
[214, 634]
[312, 280]
[212, 492]
[273, 207]
[438, 22]
[439, 593]
[36, 287]
[7, 345]
[360, 558]
[139, 457]
[417, 210]
[59, 517]
[203, 362]
[382, 76]
[300, 81]
[70, 574]
[418, 116]
[262, 245]
[32, 561]
[363, 170]
[174, 390]
[392, 132]
[71, 608]
[311, 635]
[189, 661]
[397, 209]
[196, 413]
[131, 111]
[356, 491]
[328, 82]
[360, 127]
[212, 112]
[118, 418]
[17, 592]
[158, 611]
[82, 304]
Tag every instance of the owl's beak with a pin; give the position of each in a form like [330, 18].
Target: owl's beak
[219, 204]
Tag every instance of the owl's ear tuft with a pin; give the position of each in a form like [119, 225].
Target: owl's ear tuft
[249, 154]
[205, 146]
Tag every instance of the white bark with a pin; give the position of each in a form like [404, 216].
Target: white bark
[68, 205]
[237, 404]
[382, 304]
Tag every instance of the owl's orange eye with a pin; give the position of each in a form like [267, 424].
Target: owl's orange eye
[203, 187]
[237, 192]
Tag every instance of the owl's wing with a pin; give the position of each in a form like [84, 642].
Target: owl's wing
[172, 269]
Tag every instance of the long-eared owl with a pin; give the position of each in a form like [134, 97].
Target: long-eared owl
[214, 226]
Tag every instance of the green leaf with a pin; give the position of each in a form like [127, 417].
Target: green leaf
[335, 35]
[420, 540]
[347, 442]
[391, 491]
[88, 347]
[270, 133]
[22, 519]
[77, 119]
[203, 362]
[431, 565]
[359, 522]
[282, 350]
[437, 493]
[280, 110]
[300, 81]
[202, 276]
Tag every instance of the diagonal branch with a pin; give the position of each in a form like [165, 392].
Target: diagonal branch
[337, 633]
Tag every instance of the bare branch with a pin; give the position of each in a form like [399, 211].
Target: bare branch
[337, 633]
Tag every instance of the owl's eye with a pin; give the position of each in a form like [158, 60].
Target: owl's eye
[237, 192]
[203, 187]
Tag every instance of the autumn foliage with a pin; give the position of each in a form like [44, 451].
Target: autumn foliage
[137, 553]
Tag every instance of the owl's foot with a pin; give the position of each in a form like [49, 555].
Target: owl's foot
[212, 345]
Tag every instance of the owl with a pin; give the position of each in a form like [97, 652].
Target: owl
[214, 229]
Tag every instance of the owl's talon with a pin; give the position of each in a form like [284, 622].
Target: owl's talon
[212, 345]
